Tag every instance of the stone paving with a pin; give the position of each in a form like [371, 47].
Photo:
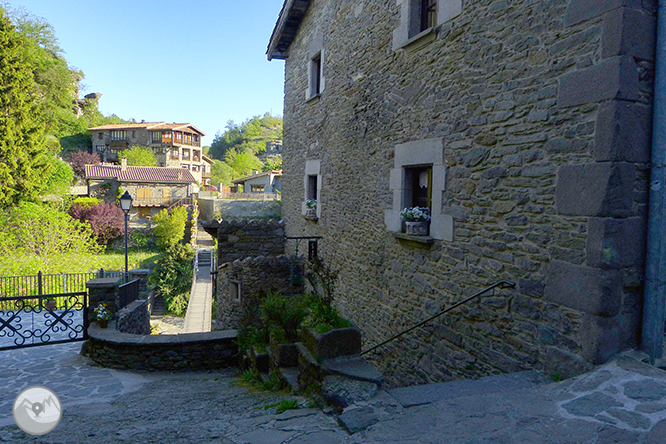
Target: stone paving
[623, 401]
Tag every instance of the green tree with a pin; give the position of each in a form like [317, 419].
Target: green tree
[35, 237]
[273, 163]
[170, 227]
[23, 158]
[221, 173]
[172, 277]
[140, 156]
[242, 163]
[251, 136]
[60, 179]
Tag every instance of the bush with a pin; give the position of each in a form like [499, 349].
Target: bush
[170, 227]
[283, 314]
[106, 220]
[79, 159]
[172, 277]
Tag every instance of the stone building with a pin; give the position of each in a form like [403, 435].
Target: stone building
[174, 144]
[268, 182]
[152, 188]
[523, 125]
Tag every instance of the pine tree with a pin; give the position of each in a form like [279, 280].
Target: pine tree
[23, 159]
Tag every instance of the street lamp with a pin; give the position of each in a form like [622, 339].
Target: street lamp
[125, 205]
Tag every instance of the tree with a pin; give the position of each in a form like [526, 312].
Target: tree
[35, 237]
[273, 163]
[170, 227]
[23, 159]
[242, 163]
[107, 221]
[221, 173]
[140, 156]
[60, 179]
[79, 159]
[172, 277]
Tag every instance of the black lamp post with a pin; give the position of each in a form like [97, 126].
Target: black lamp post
[125, 205]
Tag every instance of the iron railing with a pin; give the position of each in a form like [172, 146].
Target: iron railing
[42, 284]
[27, 321]
[502, 284]
[128, 293]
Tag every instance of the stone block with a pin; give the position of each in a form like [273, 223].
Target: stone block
[615, 243]
[629, 32]
[623, 132]
[604, 337]
[580, 10]
[591, 290]
[614, 78]
[338, 342]
[595, 189]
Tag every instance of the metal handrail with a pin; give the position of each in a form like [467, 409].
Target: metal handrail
[503, 284]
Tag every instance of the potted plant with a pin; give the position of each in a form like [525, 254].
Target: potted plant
[416, 220]
[103, 315]
[311, 208]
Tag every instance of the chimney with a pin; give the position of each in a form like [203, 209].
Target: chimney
[123, 164]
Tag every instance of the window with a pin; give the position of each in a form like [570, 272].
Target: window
[195, 168]
[186, 154]
[118, 135]
[196, 155]
[257, 188]
[156, 136]
[100, 136]
[185, 165]
[316, 81]
[418, 178]
[235, 291]
[144, 212]
[174, 154]
[428, 14]
[312, 185]
[133, 134]
[419, 17]
[99, 148]
[143, 194]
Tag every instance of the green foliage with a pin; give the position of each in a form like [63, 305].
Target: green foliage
[221, 172]
[285, 312]
[287, 404]
[36, 237]
[273, 163]
[86, 201]
[172, 277]
[140, 156]
[23, 155]
[323, 315]
[239, 145]
[170, 227]
[60, 179]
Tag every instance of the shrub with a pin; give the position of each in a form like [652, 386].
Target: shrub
[170, 227]
[106, 220]
[79, 159]
[172, 277]
[283, 314]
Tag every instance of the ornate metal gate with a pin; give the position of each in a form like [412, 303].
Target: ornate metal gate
[27, 321]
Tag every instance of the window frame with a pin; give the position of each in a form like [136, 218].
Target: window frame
[315, 68]
[312, 169]
[410, 28]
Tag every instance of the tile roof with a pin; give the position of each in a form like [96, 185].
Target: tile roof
[150, 126]
[254, 176]
[139, 174]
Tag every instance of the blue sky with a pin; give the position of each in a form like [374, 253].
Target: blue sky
[198, 61]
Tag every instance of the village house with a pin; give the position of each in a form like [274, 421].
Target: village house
[152, 188]
[174, 144]
[524, 127]
[268, 182]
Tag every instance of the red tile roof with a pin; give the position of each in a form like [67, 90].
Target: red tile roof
[150, 126]
[139, 174]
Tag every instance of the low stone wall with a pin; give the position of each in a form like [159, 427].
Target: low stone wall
[213, 209]
[238, 239]
[243, 283]
[191, 351]
[135, 318]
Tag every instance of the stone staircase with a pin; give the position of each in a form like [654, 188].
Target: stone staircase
[158, 307]
[327, 367]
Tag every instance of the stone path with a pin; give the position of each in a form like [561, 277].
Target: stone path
[199, 308]
[623, 401]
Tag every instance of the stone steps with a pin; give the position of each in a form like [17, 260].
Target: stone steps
[158, 306]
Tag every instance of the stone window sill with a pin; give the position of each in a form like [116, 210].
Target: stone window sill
[420, 241]
[314, 98]
[311, 218]
[420, 40]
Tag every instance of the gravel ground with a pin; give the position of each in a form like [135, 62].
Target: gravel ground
[167, 325]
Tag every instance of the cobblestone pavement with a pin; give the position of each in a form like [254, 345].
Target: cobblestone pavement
[623, 401]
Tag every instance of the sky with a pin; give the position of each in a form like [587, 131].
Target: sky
[199, 61]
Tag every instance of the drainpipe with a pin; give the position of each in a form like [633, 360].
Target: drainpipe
[654, 301]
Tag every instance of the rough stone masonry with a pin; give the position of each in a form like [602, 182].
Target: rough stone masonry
[542, 110]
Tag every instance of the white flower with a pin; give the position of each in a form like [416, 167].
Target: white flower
[415, 214]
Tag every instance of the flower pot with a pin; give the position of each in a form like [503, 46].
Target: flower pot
[419, 228]
[103, 323]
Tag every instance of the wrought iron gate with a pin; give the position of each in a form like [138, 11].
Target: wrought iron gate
[27, 321]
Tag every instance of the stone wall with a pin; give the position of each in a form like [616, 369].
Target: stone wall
[253, 278]
[214, 209]
[192, 351]
[543, 113]
[238, 239]
[134, 318]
